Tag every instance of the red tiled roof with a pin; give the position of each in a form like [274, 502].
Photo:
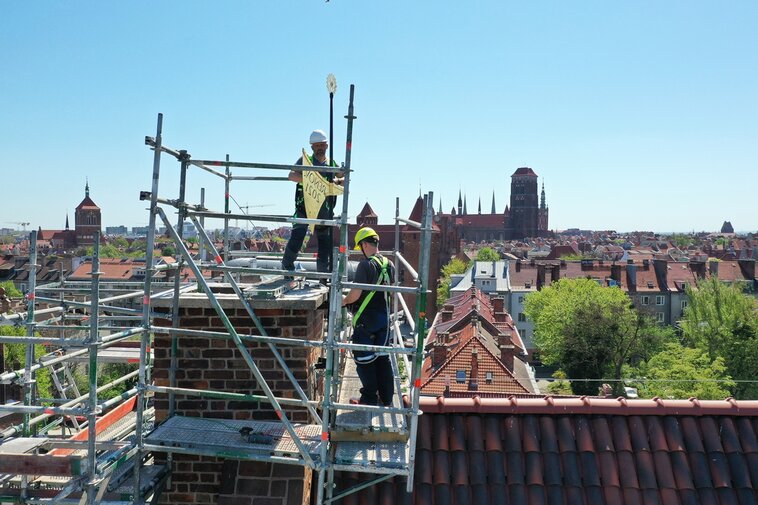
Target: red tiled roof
[502, 382]
[367, 211]
[524, 171]
[112, 269]
[87, 203]
[579, 451]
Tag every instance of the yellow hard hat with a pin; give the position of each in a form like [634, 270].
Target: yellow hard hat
[363, 234]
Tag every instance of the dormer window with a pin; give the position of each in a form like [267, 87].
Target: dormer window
[460, 376]
[488, 377]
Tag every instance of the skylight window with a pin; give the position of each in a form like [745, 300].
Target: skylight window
[460, 376]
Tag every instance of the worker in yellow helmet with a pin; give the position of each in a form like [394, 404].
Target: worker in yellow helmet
[371, 311]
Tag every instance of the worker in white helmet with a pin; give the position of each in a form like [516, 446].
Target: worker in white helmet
[319, 146]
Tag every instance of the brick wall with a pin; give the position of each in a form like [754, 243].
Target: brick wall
[216, 364]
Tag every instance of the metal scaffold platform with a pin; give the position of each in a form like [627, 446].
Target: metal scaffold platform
[338, 436]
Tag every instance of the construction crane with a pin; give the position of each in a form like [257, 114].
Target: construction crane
[245, 208]
[24, 225]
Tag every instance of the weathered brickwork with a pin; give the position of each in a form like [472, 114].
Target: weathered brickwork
[216, 364]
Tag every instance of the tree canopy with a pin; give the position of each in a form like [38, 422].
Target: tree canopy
[453, 267]
[683, 372]
[722, 320]
[591, 331]
[487, 254]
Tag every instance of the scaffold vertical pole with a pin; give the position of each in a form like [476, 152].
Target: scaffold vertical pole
[424, 260]
[184, 159]
[336, 312]
[143, 354]
[29, 357]
[227, 210]
[93, 344]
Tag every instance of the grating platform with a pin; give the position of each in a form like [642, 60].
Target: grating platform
[372, 456]
[358, 426]
[222, 438]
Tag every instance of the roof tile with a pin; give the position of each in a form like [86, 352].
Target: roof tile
[664, 474]
[609, 473]
[496, 468]
[602, 434]
[533, 468]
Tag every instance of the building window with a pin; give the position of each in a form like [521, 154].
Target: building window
[659, 300]
[460, 376]
[684, 305]
[645, 300]
[521, 299]
[488, 377]
[522, 332]
[521, 317]
[659, 317]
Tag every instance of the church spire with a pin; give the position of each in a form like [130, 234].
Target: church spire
[86, 188]
[493, 211]
[542, 196]
[460, 203]
[67, 220]
[480, 205]
[464, 205]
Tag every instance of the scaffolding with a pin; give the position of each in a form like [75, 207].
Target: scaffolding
[43, 459]
[335, 438]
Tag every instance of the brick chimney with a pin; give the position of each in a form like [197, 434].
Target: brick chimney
[616, 273]
[713, 267]
[646, 264]
[631, 276]
[662, 273]
[518, 265]
[556, 272]
[748, 268]
[446, 314]
[507, 349]
[473, 383]
[498, 306]
[540, 276]
[439, 354]
[698, 267]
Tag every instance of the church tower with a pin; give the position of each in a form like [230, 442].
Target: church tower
[524, 208]
[87, 220]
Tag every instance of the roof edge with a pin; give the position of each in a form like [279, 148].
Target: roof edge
[589, 405]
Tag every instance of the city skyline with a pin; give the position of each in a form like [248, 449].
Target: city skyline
[636, 116]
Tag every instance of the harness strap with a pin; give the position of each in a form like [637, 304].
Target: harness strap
[384, 278]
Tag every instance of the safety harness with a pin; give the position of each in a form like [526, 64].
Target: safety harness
[384, 279]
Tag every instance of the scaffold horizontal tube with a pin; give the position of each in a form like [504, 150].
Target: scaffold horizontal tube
[232, 452]
[269, 166]
[409, 222]
[252, 270]
[264, 217]
[228, 396]
[10, 377]
[257, 178]
[375, 287]
[372, 408]
[279, 340]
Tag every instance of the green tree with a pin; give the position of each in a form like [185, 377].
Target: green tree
[453, 267]
[683, 372]
[591, 331]
[121, 243]
[681, 240]
[15, 359]
[723, 321]
[10, 289]
[168, 250]
[487, 254]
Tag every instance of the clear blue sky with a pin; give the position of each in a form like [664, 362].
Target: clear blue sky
[637, 114]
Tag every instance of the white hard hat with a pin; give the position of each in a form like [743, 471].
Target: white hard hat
[318, 136]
